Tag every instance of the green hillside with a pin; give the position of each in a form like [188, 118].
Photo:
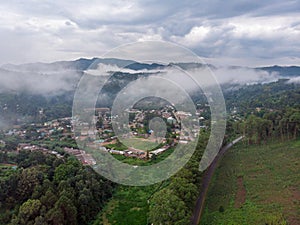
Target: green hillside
[256, 185]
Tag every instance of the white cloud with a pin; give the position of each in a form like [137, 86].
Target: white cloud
[245, 32]
[243, 76]
[109, 69]
[39, 83]
[195, 36]
[265, 28]
[294, 80]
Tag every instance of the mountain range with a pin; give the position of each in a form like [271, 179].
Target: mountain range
[27, 88]
[63, 76]
[83, 64]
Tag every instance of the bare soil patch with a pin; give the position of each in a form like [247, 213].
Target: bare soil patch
[294, 216]
[241, 193]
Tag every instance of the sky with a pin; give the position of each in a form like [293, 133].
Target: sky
[237, 32]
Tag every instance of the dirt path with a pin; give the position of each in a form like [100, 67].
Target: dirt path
[240, 197]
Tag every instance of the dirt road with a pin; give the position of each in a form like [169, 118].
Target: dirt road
[206, 181]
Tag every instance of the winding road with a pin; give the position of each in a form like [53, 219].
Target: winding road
[206, 181]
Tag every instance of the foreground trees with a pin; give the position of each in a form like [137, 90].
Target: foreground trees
[174, 203]
[167, 208]
[52, 191]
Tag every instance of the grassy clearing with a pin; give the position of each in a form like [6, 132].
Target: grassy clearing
[128, 206]
[271, 176]
[117, 146]
[137, 143]
[141, 143]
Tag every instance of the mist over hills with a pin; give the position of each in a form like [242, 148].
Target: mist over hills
[79, 64]
[285, 71]
[83, 64]
[58, 77]
[27, 89]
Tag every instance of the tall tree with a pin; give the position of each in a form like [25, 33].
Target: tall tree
[167, 208]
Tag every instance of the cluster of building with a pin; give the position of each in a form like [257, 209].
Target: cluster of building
[43, 130]
[35, 148]
[81, 155]
[103, 138]
[100, 135]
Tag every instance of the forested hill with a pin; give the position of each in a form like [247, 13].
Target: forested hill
[264, 112]
[284, 71]
[79, 64]
[83, 64]
[44, 91]
[271, 96]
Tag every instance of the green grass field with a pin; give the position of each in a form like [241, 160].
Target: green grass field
[256, 185]
[128, 206]
[137, 143]
[141, 143]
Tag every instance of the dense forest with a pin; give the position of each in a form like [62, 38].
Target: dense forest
[265, 112]
[37, 188]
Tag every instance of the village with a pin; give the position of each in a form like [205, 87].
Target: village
[36, 135]
[144, 142]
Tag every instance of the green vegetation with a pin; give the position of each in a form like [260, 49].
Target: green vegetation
[117, 146]
[138, 143]
[141, 143]
[271, 177]
[142, 205]
[267, 196]
[257, 182]
[42, 189]
[128, 206]
[277, 95]
[284, 125]
[25, 107]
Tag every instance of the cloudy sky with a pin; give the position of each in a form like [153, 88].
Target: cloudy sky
[236, 32]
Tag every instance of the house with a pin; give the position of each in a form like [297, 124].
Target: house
[23, 146]
[116, 152]
[171, 120]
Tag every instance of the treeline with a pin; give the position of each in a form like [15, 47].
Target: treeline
[265, 112]
[262, 126]
[175, 203]
[42, 189]
[282, 125]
